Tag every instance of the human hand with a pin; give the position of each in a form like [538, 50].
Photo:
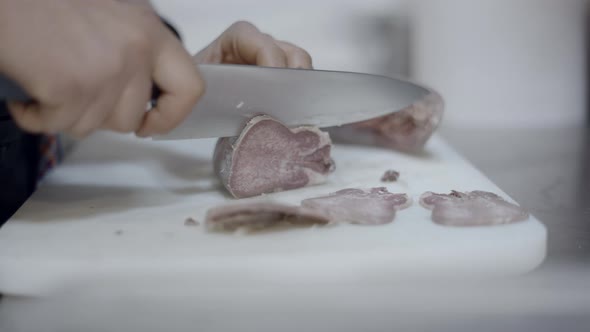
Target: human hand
[243, 43]
[91, 65]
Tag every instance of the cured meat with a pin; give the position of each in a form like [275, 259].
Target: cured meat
[430, 199]
[390, 176]
[269, 157]
[475, 208]
[371, 206]
[407, 130]
[256, 216]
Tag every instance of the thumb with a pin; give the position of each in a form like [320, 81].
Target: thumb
[26, 116]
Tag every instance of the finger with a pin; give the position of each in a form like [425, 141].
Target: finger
[181, 85]
[296, 56]
[249, 46]
[37, 118]
[210, 54]
[95, 114]
[26, 116]
[128, 114]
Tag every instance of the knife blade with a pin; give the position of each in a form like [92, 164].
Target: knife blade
[321, 98]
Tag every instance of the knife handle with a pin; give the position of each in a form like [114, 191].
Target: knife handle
[10, 91]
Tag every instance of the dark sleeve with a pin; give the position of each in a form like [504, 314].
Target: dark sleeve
[19, 163]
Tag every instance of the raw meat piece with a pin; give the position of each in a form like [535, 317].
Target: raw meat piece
[256, 216]
[190, 222]
[407, 130]
[372, 206]
[269, 157]
[430, 199]
[390, 176]
[475, 208]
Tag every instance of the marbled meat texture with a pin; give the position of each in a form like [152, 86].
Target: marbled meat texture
[269, 157]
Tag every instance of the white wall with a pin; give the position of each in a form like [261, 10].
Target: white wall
[498, 63]
[503, 63]
[333, 31]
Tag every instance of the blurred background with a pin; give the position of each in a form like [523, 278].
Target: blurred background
[498, 63]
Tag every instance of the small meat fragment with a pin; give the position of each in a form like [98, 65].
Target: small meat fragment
[371, 207]
[390, 176]
[475, 208]
[191, 222]
[269, 157]
[257, 216]
[429, 199]
[407, 130]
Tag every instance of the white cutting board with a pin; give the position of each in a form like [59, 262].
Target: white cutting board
[116, 209]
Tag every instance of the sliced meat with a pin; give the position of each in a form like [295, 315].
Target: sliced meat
[475, 208]
[390, 176]
[269, 157]
[372, 206]
[430, 199]
[407, 130]
[256, 216]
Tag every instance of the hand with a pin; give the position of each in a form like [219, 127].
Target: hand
[91, 64]
[243, 43]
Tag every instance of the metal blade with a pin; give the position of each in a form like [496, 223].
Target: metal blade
[236, 93]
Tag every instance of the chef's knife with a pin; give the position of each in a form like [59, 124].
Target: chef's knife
[235, 93]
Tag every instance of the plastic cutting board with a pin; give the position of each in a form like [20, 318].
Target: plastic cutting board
[117, 208]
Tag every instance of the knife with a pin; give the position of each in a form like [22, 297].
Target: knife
[321, 98]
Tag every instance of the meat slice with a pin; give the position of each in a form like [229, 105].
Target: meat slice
[371, 206]
[269, 157]
[257, 216]
[407, 130]
[475, 208]
[430, 199]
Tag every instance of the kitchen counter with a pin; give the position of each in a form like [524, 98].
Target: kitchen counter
[547, 171]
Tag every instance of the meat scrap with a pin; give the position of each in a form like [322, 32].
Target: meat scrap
[371, 206]
[390, 176]
[190, 222]
[269, 157]
[475, 208]
[257, 216]
[407, 130]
